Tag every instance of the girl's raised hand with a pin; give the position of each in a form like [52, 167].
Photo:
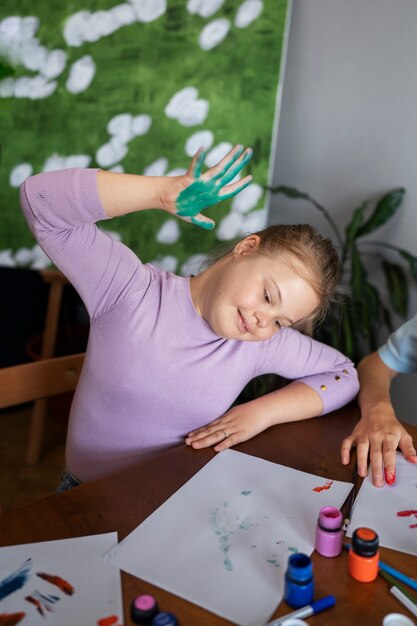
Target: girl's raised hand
[200, 191]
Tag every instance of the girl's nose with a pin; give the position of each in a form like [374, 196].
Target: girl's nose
[262, 319]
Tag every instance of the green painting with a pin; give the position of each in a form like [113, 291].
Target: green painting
[137, 87]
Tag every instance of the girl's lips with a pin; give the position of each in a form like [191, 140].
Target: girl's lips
[242, 322]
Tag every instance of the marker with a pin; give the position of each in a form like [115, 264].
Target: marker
[398, 575]
[393, 582]
[404, 600]
[306, 611]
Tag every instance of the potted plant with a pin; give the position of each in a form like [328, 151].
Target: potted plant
[353, 325]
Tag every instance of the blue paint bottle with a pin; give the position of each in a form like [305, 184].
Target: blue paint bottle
[299, 583]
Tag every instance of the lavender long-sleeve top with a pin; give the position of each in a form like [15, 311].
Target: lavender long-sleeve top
[154, 369]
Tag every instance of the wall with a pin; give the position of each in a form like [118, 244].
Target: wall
[348, 122]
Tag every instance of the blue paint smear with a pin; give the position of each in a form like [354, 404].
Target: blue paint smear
[16, 580]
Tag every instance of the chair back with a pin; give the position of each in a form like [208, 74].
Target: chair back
[39, 379]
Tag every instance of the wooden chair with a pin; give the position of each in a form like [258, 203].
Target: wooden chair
[56, 281]
[39, 380]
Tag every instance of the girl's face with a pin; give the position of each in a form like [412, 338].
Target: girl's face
[250, 296]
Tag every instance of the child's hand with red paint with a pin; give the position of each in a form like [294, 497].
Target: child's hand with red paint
[378, 434]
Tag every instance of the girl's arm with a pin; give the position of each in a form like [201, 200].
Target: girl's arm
[184, 196]
[62, 208]
[323, 380]
[378, 433]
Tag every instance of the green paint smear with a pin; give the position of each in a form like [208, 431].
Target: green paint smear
[245, 524]
[293, 549]
[274, 562]
[245, 493]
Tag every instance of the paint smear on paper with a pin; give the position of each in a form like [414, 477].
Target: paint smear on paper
[63, 584]
[245, 493]
[37, 603]
[324, 487]
[407, 513]
[11, 619]
[223, 533]
[111, 620]
[16, 580]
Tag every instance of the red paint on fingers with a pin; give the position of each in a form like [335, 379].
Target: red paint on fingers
[389, 477]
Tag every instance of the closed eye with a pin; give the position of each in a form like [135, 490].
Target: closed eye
[267, 297]
[278, 324]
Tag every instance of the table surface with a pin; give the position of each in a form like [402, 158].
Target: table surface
[123, 500]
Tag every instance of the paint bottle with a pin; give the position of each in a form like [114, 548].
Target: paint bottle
[165, 619]
[329, 532]
[143, 609]
[299, 583]
[364, 555]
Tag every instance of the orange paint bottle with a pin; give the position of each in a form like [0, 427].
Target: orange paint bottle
[364, 555]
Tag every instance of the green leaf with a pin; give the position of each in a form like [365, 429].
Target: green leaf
[384, 210]
[290, 192]
[354, 224]
[397, 287]
[412, 262]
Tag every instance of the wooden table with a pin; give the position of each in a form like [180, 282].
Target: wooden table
[125, 499]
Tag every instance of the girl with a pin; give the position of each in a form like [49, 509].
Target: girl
[168, 354]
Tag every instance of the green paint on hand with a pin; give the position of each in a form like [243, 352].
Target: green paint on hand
[201, 194]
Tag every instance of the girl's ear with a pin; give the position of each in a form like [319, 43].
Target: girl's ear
[248, 245]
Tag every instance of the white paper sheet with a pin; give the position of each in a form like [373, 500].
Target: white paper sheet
[66, 580]
[222, 541]
[391, 511]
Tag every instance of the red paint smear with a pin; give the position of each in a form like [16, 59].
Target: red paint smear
[328, 484]
[36, 602]
[108, 621]
[407, 513]
[10, 619]
[413, 526]
[64, 585]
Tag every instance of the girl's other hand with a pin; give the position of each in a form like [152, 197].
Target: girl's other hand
[186, 196]
[379, 434]
[237, 425]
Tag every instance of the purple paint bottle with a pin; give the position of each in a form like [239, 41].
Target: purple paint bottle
[329, 531]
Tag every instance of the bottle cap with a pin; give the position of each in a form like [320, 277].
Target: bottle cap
[365, 542]
[165, 619]
[397, 619]
[300, 567]
[143, 609]
[330, 518]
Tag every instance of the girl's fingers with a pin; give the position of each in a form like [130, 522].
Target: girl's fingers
[196, 164]
[234, 170]
[199, 220]
[234, 188]
[219, 170]
[206, 438]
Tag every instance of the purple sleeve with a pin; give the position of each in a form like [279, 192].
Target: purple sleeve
[61, 209]
[298, 357]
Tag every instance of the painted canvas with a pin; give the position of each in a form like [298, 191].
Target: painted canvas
[390, 510]
[137, 86]
[60, 583]
[223, 540]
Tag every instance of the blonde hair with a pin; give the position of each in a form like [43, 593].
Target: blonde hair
[320, 264]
